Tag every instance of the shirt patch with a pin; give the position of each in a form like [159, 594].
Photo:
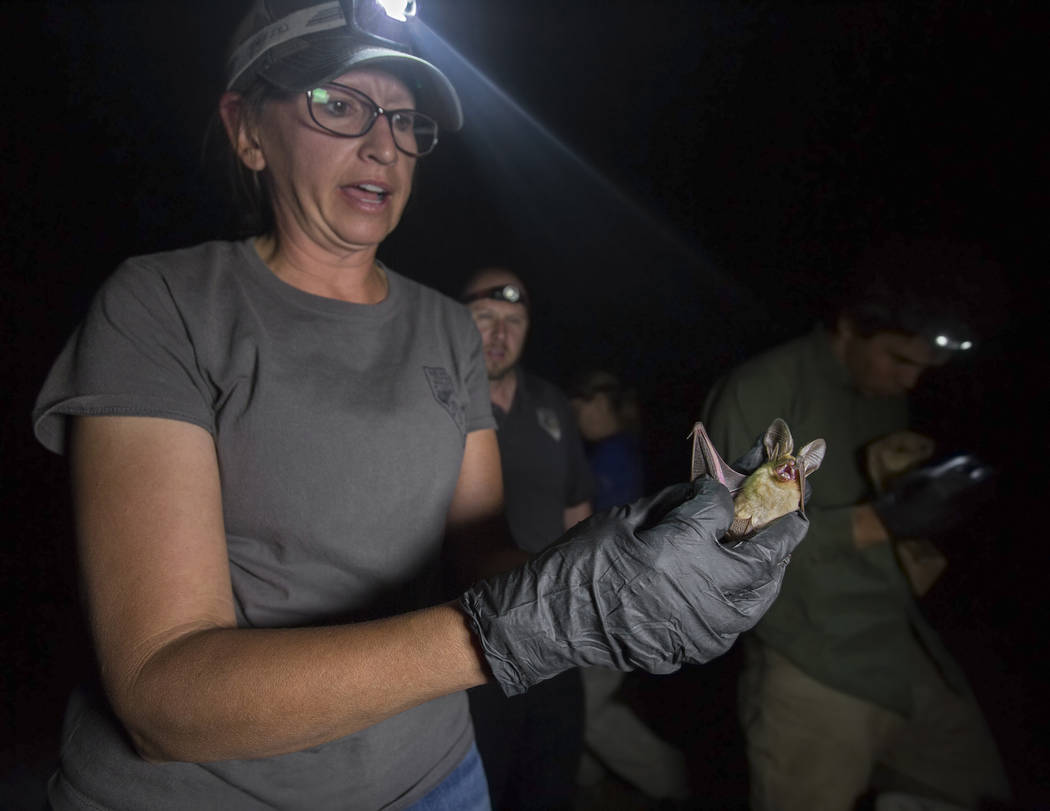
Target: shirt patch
[445, 393]
[548, 421]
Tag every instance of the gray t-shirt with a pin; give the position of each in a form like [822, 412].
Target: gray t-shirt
[339, 430]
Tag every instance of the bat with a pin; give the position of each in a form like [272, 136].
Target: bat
[775, 488]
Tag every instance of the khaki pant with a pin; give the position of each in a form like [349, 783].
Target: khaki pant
[616, 739]
[814, 748]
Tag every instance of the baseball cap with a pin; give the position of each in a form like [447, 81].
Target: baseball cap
[299, 44]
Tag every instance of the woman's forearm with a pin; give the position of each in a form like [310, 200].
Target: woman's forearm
[222, 693]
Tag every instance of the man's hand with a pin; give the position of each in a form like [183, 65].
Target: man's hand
[647, 585]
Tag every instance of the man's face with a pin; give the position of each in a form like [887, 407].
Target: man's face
[503, 326]
[887, 364]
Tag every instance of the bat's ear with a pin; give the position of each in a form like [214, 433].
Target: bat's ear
[811, 455]
[778, 440]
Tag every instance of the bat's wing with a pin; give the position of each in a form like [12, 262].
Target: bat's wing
[707, 462]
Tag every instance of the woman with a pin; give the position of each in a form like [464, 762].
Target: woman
[274, 441]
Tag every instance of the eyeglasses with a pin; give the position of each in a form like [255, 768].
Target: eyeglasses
[349, 113]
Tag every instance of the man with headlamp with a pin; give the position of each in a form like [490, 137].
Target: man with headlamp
[531, 744]
[843, 674]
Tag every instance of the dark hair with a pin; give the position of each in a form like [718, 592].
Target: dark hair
[624, 401]
[250, 190]
[914, 286]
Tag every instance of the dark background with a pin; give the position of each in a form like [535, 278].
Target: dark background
[680, 183]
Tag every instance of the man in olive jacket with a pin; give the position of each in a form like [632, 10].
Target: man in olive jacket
[843, 674]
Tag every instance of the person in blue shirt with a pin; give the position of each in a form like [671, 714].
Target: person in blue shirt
[607, 415]
[616, 739]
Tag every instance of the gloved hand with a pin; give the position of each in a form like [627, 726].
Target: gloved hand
[933, 499]
[647, 585]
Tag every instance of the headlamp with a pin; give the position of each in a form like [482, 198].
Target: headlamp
[943, 340]
[384, 21]
[502, 292]
[304, 44]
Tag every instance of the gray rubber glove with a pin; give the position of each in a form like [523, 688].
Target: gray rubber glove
[936, 497]
[647, 585]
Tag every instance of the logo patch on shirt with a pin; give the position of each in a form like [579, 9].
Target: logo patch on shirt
[548, 421]
[445, 393]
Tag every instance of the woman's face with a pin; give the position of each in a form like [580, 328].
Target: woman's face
[342, 194]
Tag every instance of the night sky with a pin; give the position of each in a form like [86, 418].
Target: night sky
[681, 184]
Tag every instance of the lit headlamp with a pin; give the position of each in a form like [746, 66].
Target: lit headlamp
[502, 292]
[307, 43]
[384, 21]
[943, 340]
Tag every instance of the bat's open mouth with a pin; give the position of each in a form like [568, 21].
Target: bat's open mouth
[787, 471]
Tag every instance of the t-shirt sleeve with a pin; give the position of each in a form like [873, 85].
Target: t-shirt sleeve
[131, 356]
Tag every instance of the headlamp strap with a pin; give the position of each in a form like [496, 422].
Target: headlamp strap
[322, 17]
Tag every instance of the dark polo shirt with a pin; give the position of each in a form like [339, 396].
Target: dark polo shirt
[544, 466]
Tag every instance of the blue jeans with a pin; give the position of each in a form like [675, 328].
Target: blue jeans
[463, 790]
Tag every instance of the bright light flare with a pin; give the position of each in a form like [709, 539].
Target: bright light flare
[399, 10]
[945, 342]
[522, 155]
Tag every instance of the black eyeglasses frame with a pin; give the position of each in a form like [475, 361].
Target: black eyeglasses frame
[377, 112]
